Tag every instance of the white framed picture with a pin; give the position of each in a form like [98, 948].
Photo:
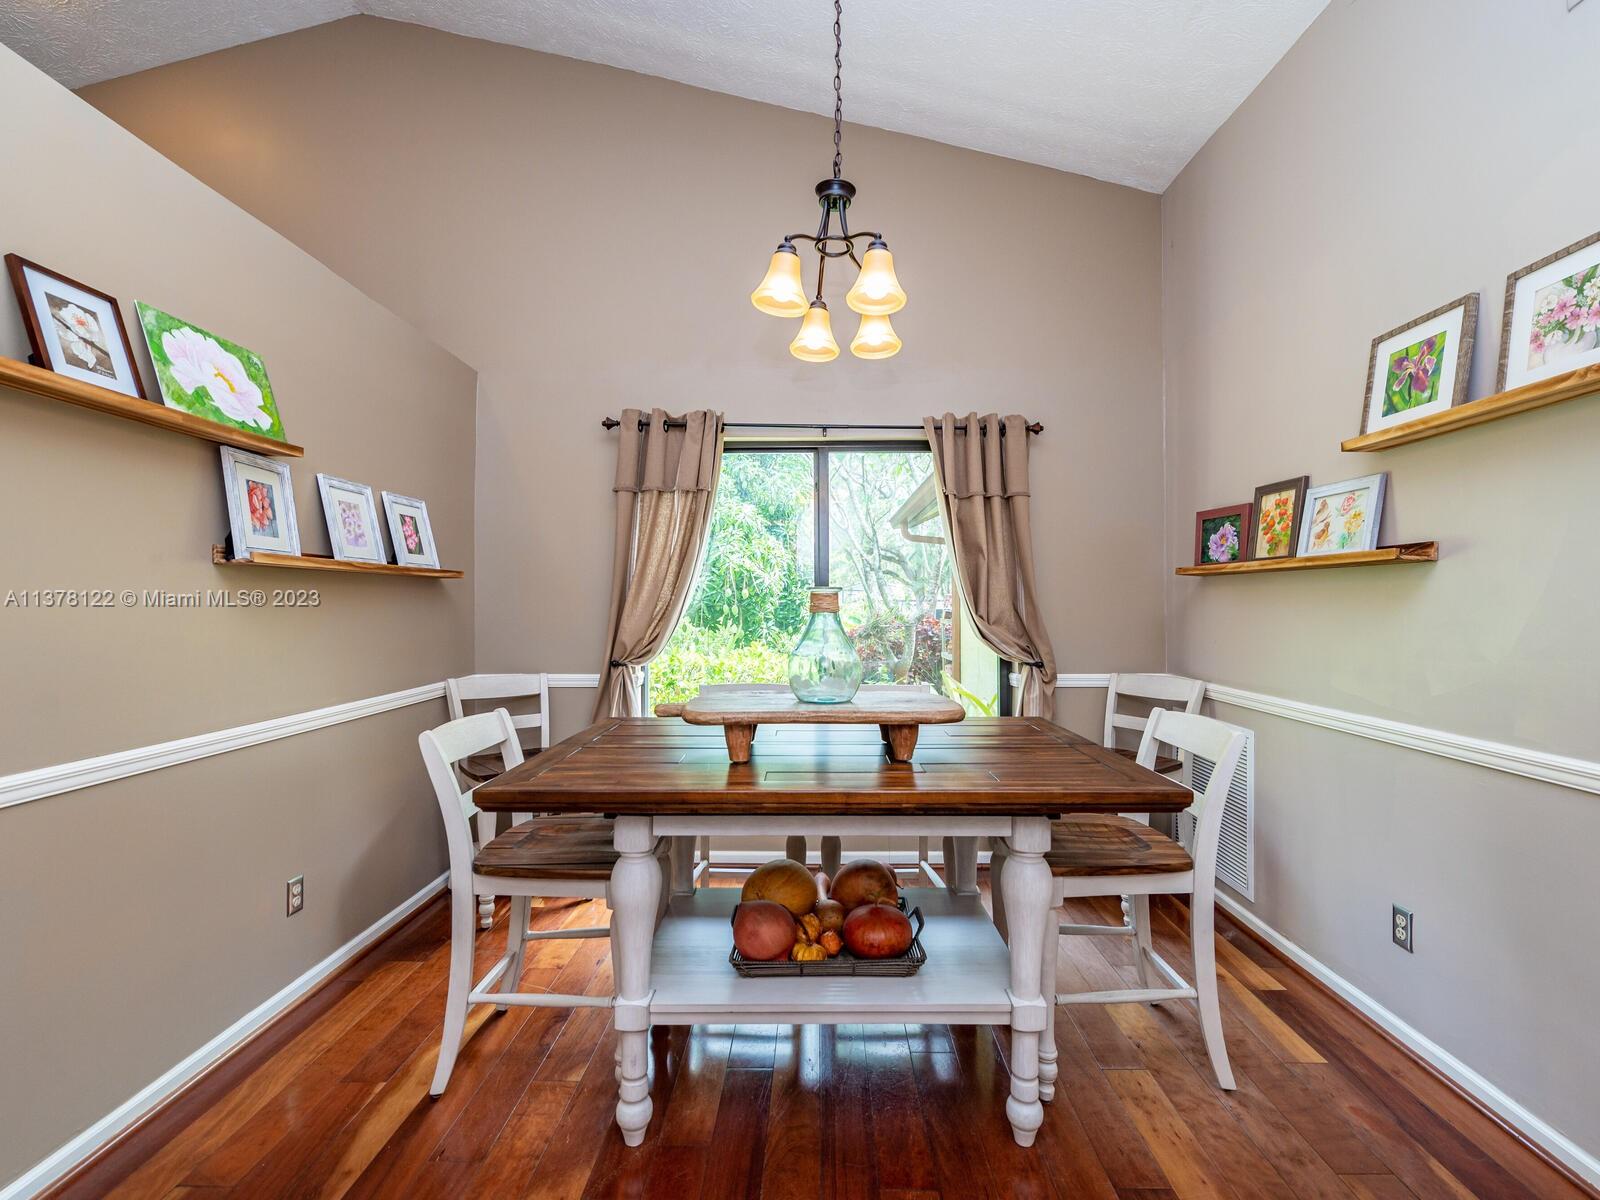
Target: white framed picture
[1552, 321]
[260, 504]
[1343, 517]
[409, 531]
[1422, 367]
[352, 515]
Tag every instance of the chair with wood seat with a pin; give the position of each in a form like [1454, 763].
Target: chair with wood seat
[1107, 855]
[566, 857]
[466, 690]
[462, 695]
[1159, 691]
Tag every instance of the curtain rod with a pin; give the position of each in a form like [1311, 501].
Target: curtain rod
[825, 426]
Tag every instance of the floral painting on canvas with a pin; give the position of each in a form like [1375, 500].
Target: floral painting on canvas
[209, 376]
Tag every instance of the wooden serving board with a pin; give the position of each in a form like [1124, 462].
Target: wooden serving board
[898, 715]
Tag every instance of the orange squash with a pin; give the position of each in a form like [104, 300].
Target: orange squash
[784, 881]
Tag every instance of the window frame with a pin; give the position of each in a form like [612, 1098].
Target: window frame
[819, 451]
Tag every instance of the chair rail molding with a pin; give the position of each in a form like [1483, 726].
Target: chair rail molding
[1559, 769]
[24, 786]
[69, 1156]
[1533, 1127]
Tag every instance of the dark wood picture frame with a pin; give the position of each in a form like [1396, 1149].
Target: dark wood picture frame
[1515, 278]
[16, 265]
[1246, 529]
[1469, 337]
[1298, 486]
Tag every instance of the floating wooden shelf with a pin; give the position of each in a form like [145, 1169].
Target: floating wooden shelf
[1410, 552]
[25, 377]
[321, 562]
[1585, 381]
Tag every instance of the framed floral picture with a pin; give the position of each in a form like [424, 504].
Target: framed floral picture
[1278, 510]
[1552, 322]
[1420, 368]
[260, 504]
[352, 516]
[74, 330]
[1222, 535]
[1342, 518]
[410, 532]
[209, 376]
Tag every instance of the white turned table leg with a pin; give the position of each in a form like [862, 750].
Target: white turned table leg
[1027, 906]
[634, 895]
[966, 866]
[682, 866]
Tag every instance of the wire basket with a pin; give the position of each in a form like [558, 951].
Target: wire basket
[844, 963]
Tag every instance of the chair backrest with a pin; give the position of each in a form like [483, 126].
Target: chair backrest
[1163, 691]
[458, 693]
[442, 749]
[1223, 746]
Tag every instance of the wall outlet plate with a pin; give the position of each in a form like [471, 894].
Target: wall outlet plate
[1402, 927]
[295, 895]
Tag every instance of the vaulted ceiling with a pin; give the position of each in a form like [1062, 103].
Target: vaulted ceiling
[1123, 90]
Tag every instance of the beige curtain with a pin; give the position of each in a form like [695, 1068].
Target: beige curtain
[666, 481]
[981, 471]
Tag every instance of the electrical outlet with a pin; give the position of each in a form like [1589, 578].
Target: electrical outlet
[296, 899]
[1402, 928]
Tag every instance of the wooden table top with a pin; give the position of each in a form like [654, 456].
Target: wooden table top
[1018, 766]
[781, 708]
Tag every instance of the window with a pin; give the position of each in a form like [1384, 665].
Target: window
[861, 517]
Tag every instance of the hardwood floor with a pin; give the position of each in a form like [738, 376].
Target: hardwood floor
[332, 1101]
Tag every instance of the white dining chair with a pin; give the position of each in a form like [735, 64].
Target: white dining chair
[1103, 855]
[1157, 691]
[567, 857]
[462, 697]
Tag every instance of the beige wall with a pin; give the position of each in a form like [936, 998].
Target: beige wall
[588, 238]
[1401, 155]
[142, 917]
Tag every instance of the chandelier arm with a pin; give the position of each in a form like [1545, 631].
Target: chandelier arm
[832, 237]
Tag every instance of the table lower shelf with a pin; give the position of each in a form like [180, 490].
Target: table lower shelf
[964, 981]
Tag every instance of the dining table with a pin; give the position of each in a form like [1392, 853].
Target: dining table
[1003, 778]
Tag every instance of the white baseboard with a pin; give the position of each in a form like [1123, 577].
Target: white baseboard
[1530, 1125]
[111, 1126]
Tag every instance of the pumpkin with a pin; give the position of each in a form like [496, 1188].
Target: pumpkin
[877, 931]
[763, 930]
[864, 881]
[785, 881]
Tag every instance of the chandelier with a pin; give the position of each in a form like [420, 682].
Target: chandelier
[876, 292]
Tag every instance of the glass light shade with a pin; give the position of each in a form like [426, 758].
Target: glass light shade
[814, 342]
[875, 339]
[876, 292]
[780, 293]
[824, 667]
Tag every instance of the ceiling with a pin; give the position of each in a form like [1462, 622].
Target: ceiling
[1122, 90]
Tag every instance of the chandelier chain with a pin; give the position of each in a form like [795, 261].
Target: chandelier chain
[838, 88]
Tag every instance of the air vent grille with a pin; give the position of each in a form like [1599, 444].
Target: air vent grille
[1236, 864]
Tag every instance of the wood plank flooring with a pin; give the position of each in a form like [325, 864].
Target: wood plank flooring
[332, 1101]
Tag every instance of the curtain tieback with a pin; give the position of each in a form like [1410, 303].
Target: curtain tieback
[1037, 666]
[617, 662]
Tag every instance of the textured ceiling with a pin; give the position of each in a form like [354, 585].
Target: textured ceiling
[1125, 90]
